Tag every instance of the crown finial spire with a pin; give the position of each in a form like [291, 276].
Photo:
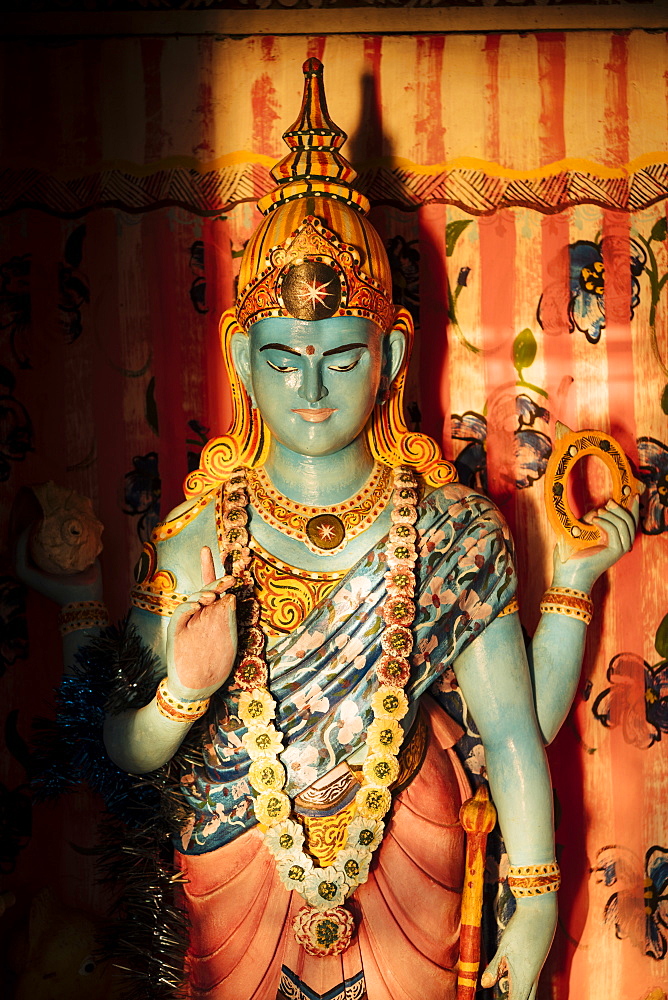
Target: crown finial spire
[314, 165]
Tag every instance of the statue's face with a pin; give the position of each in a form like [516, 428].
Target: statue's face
[315, 383]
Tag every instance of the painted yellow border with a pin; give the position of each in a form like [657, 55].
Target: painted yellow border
[244, 157]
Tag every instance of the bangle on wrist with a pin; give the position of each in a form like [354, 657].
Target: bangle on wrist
[178, 709]
[82, 615]
[569, 602]
[533, 880]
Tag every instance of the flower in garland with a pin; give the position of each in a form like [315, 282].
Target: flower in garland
[262, 741]
[365, 834]
[284, 839]
[398, 611]
[404, 514]
[373, 801]
[324, 888]
[400, 553]
[403, 533]
[389, 703]
[294, 869]
[324, 933]
[256, 706]
[254, 642]
[251, 673]
[354, 863]
[384, 736]
[267, 774]
[235, 518]
[405, 495]
[380, 769]
[272, 807]
[393, 670]
[400, 581]
[397, 640]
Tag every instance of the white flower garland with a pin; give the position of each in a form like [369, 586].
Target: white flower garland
[329, 929]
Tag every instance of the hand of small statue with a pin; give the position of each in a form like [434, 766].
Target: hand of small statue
[61, 588]
[202, 637]
[524, 946]
[582, 567]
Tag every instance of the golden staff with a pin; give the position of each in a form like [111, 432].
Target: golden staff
[477, 816]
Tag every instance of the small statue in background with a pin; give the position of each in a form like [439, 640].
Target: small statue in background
[323, 574]
[68, 538]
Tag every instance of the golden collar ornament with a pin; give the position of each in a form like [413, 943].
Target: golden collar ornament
[322, 529]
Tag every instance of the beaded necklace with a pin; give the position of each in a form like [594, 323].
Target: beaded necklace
[324, 926]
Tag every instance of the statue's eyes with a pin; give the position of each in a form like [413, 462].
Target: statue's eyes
[344, 368]
[282, 368]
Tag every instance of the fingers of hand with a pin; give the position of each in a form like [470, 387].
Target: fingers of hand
[494, 970]
[211, 599]
[618, 525]
[206, 563]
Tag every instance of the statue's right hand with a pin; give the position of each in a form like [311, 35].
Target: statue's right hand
[202, 637]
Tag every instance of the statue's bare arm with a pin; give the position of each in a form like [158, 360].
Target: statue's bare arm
[555, 653]
[494, 679]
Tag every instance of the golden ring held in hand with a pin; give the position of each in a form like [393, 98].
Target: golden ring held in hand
[568, 450]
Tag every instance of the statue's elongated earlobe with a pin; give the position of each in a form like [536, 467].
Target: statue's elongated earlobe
[240, 348]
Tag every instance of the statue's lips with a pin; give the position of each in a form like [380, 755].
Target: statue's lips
[315, 416]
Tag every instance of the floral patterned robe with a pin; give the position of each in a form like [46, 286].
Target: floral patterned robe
[322, 678]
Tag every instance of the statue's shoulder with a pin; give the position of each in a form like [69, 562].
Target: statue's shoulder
[463, 504]
[183, 516]
[169, 568]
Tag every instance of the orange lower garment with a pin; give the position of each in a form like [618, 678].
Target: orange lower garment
[407, 913]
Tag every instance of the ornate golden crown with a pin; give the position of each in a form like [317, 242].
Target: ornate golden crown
[312, 275]
[294, 264]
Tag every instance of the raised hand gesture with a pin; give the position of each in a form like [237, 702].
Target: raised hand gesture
[202, 636]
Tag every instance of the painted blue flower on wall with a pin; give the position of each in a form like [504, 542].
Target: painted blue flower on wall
[142, 493]
[640, 917]
[471, 463]
[404, 258]
[532, 448]
[636, 700]
[653, 467]
[585, 304]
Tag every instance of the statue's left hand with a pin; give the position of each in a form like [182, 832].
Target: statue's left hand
[61, 588]
[524, 946]
[581, 568]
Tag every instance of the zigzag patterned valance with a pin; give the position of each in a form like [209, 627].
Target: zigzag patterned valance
[475, 189]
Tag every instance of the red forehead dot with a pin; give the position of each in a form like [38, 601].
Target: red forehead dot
[310, 349]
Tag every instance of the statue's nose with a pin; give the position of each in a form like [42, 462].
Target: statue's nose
[312, 387]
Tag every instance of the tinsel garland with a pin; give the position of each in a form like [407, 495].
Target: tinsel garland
[147, 934]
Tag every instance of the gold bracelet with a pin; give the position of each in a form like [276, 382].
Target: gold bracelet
[566, 601]
[533, 880]
[176, 708]
[511, 608]
[82, 615]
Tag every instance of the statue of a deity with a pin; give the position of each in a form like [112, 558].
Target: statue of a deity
[325, 571]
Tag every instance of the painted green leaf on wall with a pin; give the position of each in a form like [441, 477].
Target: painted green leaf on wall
[524, 350]
[453, 231]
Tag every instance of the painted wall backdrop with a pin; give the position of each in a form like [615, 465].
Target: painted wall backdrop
[520, 184]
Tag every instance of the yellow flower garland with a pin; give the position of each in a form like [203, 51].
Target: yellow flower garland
[325, 889]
